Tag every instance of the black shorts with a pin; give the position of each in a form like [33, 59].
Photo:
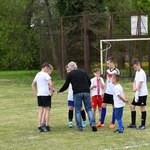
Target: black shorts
[44, 101]
[141, 102]
[108, 99]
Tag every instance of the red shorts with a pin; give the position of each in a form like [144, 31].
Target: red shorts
[97, 101]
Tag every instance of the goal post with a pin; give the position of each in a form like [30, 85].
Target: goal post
[114, 40]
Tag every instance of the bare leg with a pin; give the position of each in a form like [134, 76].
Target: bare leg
[41, 109]
[47, 115]
[44, 117]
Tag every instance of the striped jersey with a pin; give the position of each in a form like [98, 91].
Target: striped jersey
[110, 85]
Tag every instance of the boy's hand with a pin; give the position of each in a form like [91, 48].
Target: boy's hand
[134, 89]
[94, 86]
[126, 101]
[52, 83]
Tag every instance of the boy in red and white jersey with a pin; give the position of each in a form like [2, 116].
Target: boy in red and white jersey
[97, 91]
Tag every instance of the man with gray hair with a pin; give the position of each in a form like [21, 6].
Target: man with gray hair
[81, 92]
[72, 65]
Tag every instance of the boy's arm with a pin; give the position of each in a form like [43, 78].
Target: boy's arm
[123, 99]
[139, 86]
[134, 86]
[105, 87]
[92, 85]
[50, 86]
[136, 90]
[102, 83]
[33, 85]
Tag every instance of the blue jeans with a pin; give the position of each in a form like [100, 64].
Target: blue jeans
[78, 98]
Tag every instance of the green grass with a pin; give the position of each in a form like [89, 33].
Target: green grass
[18, 120]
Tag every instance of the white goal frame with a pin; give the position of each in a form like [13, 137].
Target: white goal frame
[114, 40]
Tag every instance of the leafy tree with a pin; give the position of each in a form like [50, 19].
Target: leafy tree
[74, 27]
[18, 42]
[141, 5]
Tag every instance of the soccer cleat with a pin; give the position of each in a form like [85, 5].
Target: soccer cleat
[94, 129]
[141, 127]
[100, 125]
[117, 131]
[84, 124]
[70, 125]
[47, 129]
[40, 129]
[111, 126]
[131, 126]
[43, 126]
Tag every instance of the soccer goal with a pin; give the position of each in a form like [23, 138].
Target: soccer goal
[108, 42]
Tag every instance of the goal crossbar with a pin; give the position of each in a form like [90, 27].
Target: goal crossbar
[115, 40]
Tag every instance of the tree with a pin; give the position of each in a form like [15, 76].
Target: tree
[18, 42]
[120, 22]
[76, 29]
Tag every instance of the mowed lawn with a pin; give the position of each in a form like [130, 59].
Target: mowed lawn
[18, 120]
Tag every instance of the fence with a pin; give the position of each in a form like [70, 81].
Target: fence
[76, 38]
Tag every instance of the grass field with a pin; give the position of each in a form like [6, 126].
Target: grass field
[18, 120]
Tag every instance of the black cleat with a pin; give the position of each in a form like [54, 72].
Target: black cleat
[47, 129]
[94, 129]
[131, 126]
[141, 127]
[40, 129]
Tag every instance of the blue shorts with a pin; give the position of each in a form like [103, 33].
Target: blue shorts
[70, 103]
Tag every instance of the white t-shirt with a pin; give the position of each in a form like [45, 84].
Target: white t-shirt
[41, 79]
[70, 93]
[118, 90]
[95, 90]
[110, 85]
[140, 76]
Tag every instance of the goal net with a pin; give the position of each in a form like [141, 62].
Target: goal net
[105, 46]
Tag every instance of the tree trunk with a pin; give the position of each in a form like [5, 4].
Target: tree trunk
[50, 28]
[121, 62]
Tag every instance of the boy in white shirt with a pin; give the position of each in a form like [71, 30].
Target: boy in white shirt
[141, 92]
[42, 87]
[52, 85]
[97, 87]
[119, 102]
